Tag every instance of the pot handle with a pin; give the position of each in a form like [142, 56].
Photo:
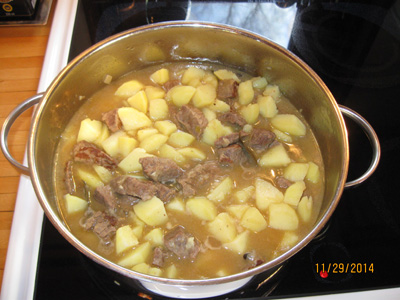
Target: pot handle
[373, 138]
[9, 121]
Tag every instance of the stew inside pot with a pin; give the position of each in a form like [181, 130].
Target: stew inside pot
[188, 170]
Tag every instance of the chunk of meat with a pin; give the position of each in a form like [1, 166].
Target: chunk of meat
[159, 255]
[282, 182]
[232, 118]
[226, 140]
[259, 139]
[112, 120]
[232, 154]
[142, 189]
[102, 224]
[163, 170]
[198, 177]
[192, 120]
[104, 194]
[227, 89]
[89, 153]
[182, 243]
[69, 177]
[170, 84]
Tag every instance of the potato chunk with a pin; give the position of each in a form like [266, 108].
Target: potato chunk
[250, 113]
[170, 152]
[192, 153]
[266, 194]
[294, 192]
[133, 119]
[152, 211]
[275, 156]
[139, 101]
[193, 76]
[313, 172]
[146, 132]
[89, 130]
[111, 144]
[202, 208]
[153, 142]
[131, 162]
[289, 123]
[225, 74]
[267, 106]
[160, 76]
[272, 90]
[296, 171]
[244, 194]
[237, 210]
[125, 239]
[165, 127]
[205, 95]
[138, 255]
[181, 94]
[240, 244]
[176, 205]
[219, 106]
[158, 109]
[154, 92]
[129, 88]
[155, 237]
[90, 178]
[180, 139]
[215, 130]
[104, 174]
[222, 190]
[223, 228]
[245, 92]
[252, 219]
[75, 204]
[304, 208]
[282, 217]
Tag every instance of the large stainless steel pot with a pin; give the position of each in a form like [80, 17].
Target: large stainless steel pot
[184, 41]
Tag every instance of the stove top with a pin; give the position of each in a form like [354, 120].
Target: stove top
[354, 47]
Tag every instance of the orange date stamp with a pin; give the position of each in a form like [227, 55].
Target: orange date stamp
[324, 269]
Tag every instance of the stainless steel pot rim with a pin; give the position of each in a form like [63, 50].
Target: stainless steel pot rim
[179, 282]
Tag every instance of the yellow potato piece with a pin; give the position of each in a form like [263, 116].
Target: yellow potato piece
[245, 92]
[266, 194]
[240, 244]
[131, 162]
[165, 127]
[268, 108]
[282, 217]
[75, 204]
[129, 88]
[313, 173]
[294, 192]
[202, 208]
[289, 123]
[138, 255]
[125, 239]
[223, 228]
[205, 95]
[250, 113]
[181, 139]
[139, 101]
[155, 237]
[168, 151]
[158, 109]
[152, 212]
[154, 92]
[296, 171]
[160, 76]
[252, 219]
[225, 74]
[192, 153]
[89, 130]
[133, 119]
[275, 156]
[181, 94]
[153, 142]
[222, 190]
[304, 208]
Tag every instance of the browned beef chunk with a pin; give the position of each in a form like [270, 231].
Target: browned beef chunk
[102, 224]
[69, 177]
[160, 169]
[90, 154]
[105, 195]
[198, 177]
[159, 255]
[191, 120]
[259, 139]
[142, 189]
[232, 118]
[170, 84]
[227, 89]
[232, 154]
[182, 243]
[226, 140]
[282, 182]
[112, 120]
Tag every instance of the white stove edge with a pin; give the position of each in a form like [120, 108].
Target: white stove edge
[23, 248]
[22, 255]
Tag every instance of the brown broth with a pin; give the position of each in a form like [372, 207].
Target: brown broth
[266, 243]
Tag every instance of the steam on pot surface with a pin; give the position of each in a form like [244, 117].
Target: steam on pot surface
[189, 170]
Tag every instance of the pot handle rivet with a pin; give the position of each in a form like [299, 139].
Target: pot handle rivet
[373, 138]
[9, 121]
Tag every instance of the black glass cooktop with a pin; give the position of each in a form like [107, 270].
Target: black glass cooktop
[355, 48]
